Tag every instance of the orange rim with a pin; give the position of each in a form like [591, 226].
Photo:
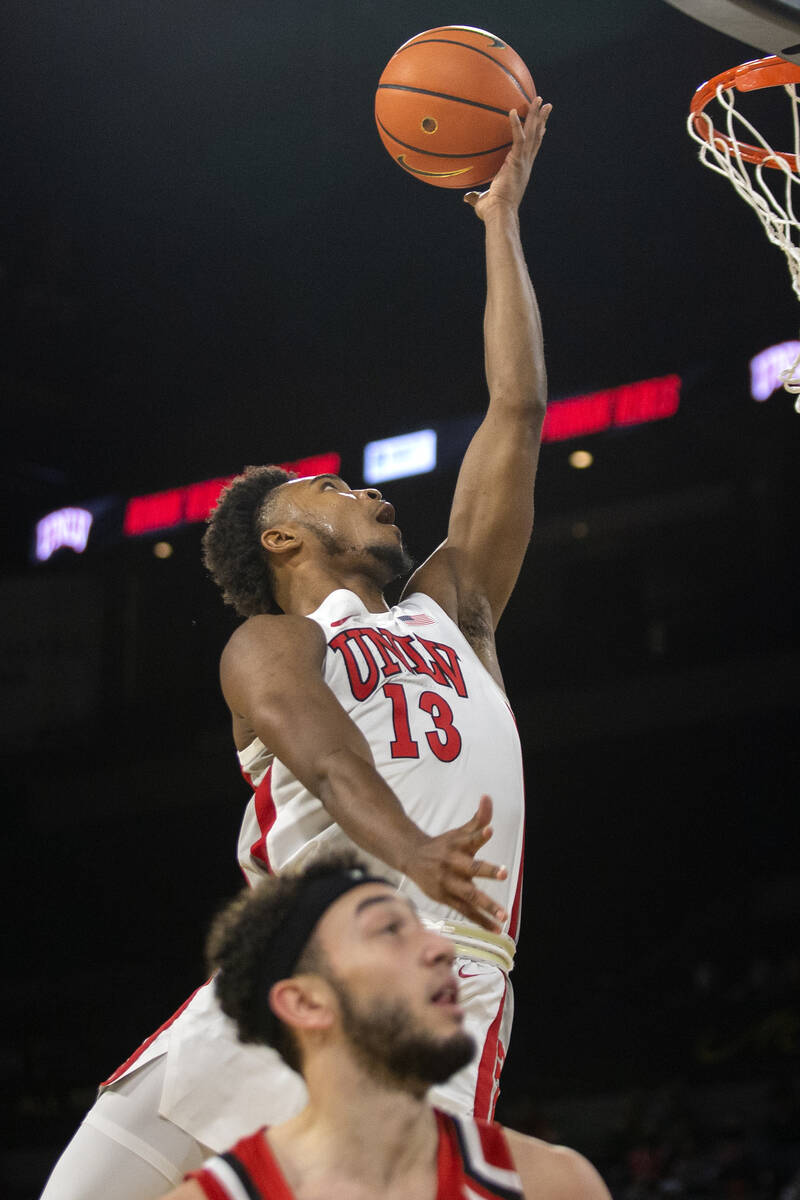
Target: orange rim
[749, 77]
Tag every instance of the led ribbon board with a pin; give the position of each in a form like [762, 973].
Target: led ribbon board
[194, 501]
[630, 404]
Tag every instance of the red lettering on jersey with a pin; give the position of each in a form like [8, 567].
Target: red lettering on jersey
[383, 642]
[362, 686]
[448, 746]
[446, 660]
[381, 652]
[420, 665]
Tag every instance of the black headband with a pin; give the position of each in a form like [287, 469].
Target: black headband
[311, 902]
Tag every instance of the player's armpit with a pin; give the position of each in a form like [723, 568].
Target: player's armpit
[463, 599]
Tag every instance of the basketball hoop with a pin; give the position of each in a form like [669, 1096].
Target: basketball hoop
[763, 177]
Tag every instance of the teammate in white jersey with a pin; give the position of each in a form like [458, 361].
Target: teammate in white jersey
[386, 728]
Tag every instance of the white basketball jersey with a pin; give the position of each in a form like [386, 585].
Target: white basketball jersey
[441, 733]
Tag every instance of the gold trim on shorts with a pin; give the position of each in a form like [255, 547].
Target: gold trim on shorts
[470, 941]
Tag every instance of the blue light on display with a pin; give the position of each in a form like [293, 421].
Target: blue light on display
[399, 457]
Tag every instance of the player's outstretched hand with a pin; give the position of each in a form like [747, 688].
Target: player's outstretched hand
[445, 867]
[508, 185]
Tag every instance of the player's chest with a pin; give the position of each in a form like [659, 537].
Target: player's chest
[362, 660]
[412, 693]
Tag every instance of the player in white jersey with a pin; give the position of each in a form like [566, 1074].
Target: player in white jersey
[357, 723]
[437, 724]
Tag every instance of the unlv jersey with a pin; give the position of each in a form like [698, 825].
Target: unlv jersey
[440, 730]
[442, 735]
[473, 1163]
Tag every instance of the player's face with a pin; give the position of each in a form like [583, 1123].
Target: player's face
[396, 990]
[346, 523]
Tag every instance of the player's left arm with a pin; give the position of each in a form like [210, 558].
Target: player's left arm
[472, 574]
[553, 1172]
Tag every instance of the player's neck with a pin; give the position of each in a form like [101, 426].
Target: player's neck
[356, 1130]
[303, 592]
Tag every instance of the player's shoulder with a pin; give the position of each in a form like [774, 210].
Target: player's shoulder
[553, 1172]
[281, 647]
[270, 630]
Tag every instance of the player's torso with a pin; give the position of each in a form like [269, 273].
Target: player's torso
[440, 730]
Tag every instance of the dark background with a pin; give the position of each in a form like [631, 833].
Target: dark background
[208, 259]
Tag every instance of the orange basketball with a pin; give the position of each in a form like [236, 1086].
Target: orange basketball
[442, 105]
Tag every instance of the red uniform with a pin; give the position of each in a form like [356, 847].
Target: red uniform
[473, 1163]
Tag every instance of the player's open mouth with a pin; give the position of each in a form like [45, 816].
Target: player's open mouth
[385, 514]
[446, 997]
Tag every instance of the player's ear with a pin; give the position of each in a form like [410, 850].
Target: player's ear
[303, 1002]
[279, 541]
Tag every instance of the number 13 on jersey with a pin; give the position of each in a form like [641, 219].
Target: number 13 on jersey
[443, 739]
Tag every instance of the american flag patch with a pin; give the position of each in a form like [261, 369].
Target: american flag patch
[419, 619]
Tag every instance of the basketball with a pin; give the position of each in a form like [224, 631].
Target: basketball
[442, 105]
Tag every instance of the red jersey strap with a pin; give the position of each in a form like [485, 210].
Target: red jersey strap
[475, 1162]
[248, 1171]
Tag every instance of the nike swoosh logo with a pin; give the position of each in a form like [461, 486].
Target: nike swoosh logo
[469, 974]
[342, 620]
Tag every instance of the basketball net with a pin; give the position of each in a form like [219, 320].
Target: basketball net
[765, 178]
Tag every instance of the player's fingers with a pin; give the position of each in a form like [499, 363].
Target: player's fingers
[466, 866]
[532, 115]
[538, 114]
[535, 134]
[488, 870]
[469, 837]
[481, 817]
[476, 917]
[475, 903]
[467, 845]
[472, 198]
[475, 836]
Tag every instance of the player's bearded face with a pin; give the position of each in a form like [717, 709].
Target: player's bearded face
[386, 560]
[391, 1043]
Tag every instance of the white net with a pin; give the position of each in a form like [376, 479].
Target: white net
[770, 185]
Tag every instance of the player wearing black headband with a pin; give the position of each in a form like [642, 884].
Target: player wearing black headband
[334, 968]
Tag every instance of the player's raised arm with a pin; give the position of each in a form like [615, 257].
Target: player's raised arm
[271, 677]
[474, 571]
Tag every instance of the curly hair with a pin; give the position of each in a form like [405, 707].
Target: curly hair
[232, 551]
[240, 939]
